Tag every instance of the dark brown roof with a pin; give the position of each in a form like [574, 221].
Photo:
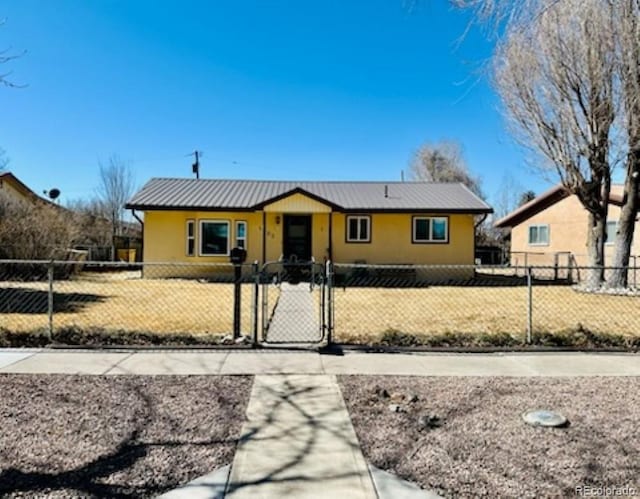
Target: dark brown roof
[212, 195]
[536, 205]
[546, 199]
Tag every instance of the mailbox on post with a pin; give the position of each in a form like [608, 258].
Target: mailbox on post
[237, 257]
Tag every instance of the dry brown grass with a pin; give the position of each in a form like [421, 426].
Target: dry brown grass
[124, 301]
[363, 313]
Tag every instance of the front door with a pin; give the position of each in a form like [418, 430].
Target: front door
[296, 239]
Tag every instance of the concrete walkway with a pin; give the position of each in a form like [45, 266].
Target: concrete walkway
[302, 362]
[298, 441]
[296, 317]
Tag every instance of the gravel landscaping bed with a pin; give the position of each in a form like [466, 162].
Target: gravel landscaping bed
[115, 436]
[464, 437]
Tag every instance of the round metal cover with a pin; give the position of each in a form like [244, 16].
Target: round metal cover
[542, 417]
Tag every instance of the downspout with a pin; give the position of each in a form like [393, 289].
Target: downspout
[264, 238]
[331, 236]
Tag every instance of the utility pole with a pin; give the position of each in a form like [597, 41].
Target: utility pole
[196, 166]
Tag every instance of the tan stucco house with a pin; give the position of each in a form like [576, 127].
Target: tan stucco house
[201, 220]
[552, 229]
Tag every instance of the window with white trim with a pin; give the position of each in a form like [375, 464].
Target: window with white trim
[214, 237]
[612, 230]
[241, 234]
[358, 229]
[539, 235]
[430, 230]
[191, 237]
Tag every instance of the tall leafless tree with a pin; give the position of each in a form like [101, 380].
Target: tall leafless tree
[115, 188]
[7, 55]
[443, 162]
[556, 79]
[4, 159]
[626, 18]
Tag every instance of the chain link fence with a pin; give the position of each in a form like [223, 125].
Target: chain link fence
[449, 306]
[86, 303]
[98, 302]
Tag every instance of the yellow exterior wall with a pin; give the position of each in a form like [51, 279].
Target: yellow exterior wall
[297, 203]
[567, 220]
[391, 242]
[165, 235]
[319, 236]
[165, 238]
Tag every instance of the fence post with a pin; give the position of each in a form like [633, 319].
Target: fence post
[254, 308]
[329, 272]
[50, 269]
[529, 306]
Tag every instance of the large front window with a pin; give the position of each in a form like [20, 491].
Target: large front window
[214, 238]
[430, 230]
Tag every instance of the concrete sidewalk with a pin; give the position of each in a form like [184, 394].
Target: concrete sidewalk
[296, 317]
[298, 441]
[303, 362]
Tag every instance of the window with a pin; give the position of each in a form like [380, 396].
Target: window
[241, 234]
[214, 238]
[430, 230]
[612, 230]
[539, 235]
[359, 229]
[191, 238]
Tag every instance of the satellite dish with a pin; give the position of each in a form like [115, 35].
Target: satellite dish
[53, 193]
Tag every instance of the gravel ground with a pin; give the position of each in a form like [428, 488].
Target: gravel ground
[472, 442]
[115, 436]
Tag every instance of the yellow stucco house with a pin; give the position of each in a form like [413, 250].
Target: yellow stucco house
[200, 220]
[552, 229]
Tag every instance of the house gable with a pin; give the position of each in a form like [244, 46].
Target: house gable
[297, 203]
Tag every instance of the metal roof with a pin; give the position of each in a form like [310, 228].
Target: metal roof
[205, 194]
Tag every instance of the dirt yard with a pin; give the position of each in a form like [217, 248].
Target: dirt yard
[362, 313]
[125, 301]
[464, 437]
[118, 436]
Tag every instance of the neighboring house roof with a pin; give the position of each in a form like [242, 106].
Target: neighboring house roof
[533, 207]
[17, 184]
[546, 199]
[215, 195]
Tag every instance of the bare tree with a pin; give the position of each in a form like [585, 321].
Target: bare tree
[626, 19]
[443, 162]
[4, 159]
[7, 55]
[556, 80]
[115, 188]
[34, 230]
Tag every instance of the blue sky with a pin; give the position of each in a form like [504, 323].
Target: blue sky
[332, 90]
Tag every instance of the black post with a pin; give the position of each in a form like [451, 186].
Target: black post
[236, 300]
[255, 304]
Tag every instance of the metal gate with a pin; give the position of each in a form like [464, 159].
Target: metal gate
[294, 302]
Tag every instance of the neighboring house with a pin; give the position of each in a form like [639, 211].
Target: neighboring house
[197, 220]
[552, 229]
[14, 190]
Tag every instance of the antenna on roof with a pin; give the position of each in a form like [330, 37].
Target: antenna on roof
[386, 191]
[195, 167]
[402, 175]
